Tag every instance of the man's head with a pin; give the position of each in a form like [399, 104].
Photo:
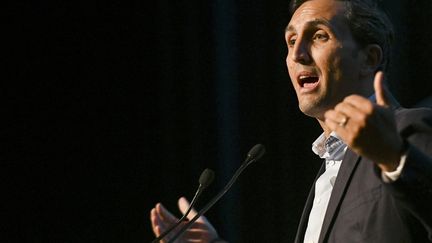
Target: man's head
[334, 49]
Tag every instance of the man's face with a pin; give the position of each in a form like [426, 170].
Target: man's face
[323, 59]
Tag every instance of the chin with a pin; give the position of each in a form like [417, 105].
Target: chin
[310, 113]
[313, 109]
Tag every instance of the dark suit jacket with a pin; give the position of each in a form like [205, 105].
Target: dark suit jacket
[363, 208]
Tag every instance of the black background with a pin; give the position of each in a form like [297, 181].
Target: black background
[113, 106]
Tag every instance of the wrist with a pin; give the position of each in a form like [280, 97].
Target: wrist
[388, 167]
[395, 161]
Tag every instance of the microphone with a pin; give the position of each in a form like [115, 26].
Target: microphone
[254, 154]
[205, 180]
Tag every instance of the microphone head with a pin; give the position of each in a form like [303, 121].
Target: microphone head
[206, 178]
[256, 153]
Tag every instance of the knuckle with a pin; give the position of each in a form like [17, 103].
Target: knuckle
[354, 138]
[338, 106]
[328, 113]
[362, 118]
[357, 130]
[348, 98]
[369, 108]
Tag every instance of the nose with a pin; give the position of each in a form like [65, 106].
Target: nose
[300, 53]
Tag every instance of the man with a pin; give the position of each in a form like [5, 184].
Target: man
[376, 182]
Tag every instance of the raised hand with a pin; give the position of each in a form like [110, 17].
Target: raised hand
[201, 231]
[369, 129]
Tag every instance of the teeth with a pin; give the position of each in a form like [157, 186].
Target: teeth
[306, 76]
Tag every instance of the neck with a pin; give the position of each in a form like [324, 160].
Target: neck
[365, 90]
[326, 129]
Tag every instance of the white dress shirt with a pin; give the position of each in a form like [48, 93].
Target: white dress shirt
[332, 150]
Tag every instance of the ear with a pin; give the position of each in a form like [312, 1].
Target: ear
[373, 56]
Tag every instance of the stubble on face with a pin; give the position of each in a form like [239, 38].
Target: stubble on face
[335, 60]
[315, 103]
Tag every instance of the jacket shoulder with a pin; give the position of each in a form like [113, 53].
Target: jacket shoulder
[417, 117]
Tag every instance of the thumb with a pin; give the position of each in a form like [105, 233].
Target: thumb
[383, 97]
[183, 205]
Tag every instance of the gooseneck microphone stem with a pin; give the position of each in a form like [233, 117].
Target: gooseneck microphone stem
[210, 204]
[205, 179]
[256, 152]
[197, 194]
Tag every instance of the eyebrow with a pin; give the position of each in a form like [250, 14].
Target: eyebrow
[312, 23]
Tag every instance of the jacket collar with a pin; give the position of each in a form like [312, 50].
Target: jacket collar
[343, 180]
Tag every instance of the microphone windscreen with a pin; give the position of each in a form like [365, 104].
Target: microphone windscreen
[206, 177]
[256, 152]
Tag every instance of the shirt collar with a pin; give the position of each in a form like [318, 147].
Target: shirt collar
[328, 148]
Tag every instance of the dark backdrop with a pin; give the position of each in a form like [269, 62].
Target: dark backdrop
[113, 106]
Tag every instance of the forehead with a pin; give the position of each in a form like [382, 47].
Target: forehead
[331, 11]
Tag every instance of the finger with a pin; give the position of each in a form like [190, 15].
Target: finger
[381, 92]
[157, 231]
[333, 122]
[335, 127]
[360, 103]
[335, 116]
[153, 219]
[345, 109]
[165, 215]
[159, 225]
[183, 205]
[155, 222]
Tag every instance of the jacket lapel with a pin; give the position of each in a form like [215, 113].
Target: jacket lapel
[343, 178]
[306, 210]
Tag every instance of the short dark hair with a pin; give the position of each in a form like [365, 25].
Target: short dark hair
[368, 25]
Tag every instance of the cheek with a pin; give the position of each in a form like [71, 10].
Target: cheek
[334, 68]
[342, 73]
[344, 68]
[332, 64]
[290, 67]
[287, 61]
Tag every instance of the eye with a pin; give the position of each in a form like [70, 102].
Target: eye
[320, 36]
[291, 41]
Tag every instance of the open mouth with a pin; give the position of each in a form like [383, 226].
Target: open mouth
[308, 81]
